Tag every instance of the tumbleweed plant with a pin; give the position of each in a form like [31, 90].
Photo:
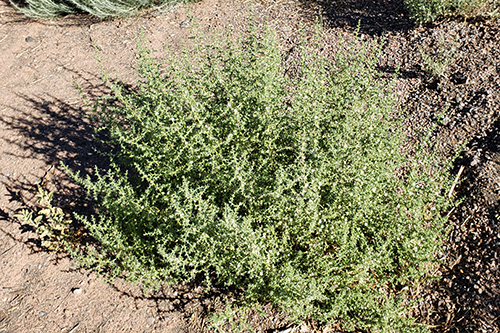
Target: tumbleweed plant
[286, 180]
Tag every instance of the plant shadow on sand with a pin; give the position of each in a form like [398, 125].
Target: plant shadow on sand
[53, 132]
[371, 17]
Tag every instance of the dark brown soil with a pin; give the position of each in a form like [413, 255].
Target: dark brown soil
[446, 80]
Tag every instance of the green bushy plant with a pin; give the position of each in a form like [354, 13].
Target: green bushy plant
[424, 11]
[290, 183]
[45, 9]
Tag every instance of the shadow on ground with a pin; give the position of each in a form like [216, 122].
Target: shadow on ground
[371, 17]
[56, 132]
[50, 130]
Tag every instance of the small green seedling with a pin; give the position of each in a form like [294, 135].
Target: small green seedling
[50, 224]
[438, 63]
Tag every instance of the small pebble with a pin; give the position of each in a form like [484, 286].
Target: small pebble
[30, 39]
[41, 313]
[185, 24]
[77, 291]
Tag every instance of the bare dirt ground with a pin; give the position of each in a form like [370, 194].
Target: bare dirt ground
[43, 121]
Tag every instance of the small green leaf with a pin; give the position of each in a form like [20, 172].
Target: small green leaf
[37, 220]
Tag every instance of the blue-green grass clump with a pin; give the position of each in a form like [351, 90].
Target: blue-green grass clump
[287, 181]
[46, 9]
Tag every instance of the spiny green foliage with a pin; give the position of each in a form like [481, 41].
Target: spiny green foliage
[424, 11]
[50, 224]
[234, 318]
[287, 182]
[44, 9]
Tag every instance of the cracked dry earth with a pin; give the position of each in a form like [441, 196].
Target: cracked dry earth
[446, 75]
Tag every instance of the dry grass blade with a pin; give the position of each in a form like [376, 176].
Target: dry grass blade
[455, 182]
